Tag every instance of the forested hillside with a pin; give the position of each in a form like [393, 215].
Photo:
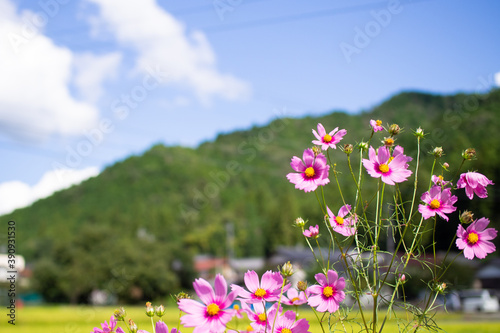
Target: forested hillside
[140, 222]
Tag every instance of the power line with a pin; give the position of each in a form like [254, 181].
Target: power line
[81, 29]
[302, 16]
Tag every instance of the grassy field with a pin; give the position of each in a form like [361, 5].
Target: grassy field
[82, 319]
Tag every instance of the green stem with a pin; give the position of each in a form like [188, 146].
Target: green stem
[444, 271]
[317, 317]
[378, 227]
[320, 252]
[319, 201]
[415, 182]
[321, 264]
[279, 303]
[153, 324]
[349, 271]
[434, 246]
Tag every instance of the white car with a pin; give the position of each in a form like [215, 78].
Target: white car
[479, 300]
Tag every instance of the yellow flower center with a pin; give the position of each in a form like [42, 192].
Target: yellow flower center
[389, 142]
[390, 159]
[378, 122]
[435, 204]
[309, 172]
[472, 238]
[236, 307]
[383, 168]
[249, 328]
[328, 291]
[286, 330]
[295, 299]
[213, 309]
[339, 220]
[327, 138]
[262, 317]
[260, 292]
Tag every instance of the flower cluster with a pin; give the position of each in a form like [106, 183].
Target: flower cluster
[390, 165]
[357, 236]
[355, 244]
[261, 301]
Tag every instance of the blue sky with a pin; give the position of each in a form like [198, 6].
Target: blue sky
[87, 83]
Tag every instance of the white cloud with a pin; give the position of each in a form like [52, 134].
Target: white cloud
[92, 70]
[16, 194]
[162, 41]
[36, 99]
[497, 79]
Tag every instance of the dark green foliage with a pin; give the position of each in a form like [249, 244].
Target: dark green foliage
[128, 228]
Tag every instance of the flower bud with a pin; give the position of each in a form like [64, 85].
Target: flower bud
[287, 270]
[394, 129]
[402, 278]
[469, 154]
[132, 326]
[119, 314]
[348, 148]
[181, 295]
[466, 217]
[299, 222]
[363, 145]
[446, 165]
[160, 311]
[419, 133]
[437, 152]
[316, 150]
[150, 311]
[441, 287]
[302, 285]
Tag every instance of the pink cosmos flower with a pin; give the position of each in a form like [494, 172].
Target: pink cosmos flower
[285, 323]
[106, 328]
[259, 318]
[474, 182]
[294, 297]
[438, 180]
[390, 170]
[238, 311]
[214, 313]
[437, 201]
[342, 224]
[269, 289]
[328, 294]
[398, 150]
[160, 327]
[326, 140]
[376, 125]
[475, 240]
[313, 172]
[313, 232]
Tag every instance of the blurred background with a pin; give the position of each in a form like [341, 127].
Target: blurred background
[145, 142]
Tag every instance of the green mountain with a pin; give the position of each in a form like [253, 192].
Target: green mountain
[134, 229]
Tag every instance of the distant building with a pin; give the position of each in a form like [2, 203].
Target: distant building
[488, 276]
